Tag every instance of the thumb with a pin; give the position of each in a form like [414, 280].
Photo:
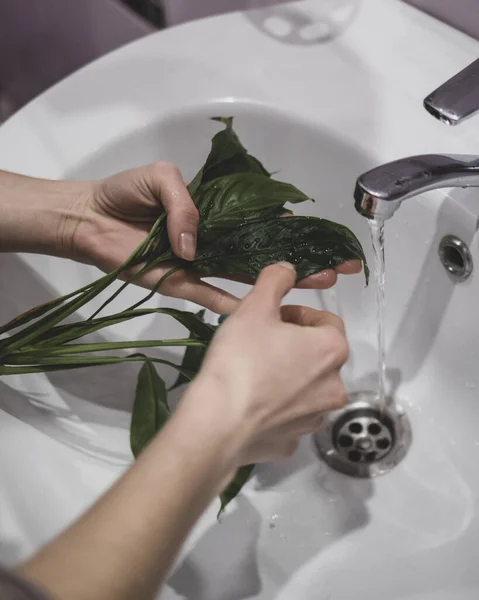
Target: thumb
[273, 283]
[166, 183]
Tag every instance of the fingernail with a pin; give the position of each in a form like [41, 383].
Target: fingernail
[286, 265]
[187, 246]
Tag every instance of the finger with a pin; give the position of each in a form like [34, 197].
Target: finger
[309, 317]
[187, 287]
[318, 281]
[350, 267]
[273, 283]
[166, 183]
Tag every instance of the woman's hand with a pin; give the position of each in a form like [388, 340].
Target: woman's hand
[123, 208]
[270, 372]
[268, 376]
[102, 222]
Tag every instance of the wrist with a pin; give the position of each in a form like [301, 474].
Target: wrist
[214, 414]
[39, 215]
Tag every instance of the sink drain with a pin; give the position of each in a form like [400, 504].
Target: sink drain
[363, 441]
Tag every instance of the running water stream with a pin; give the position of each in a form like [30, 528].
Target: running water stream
[377, 236]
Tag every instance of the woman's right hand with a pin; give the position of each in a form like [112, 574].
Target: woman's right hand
[271, 371]
[267, 378]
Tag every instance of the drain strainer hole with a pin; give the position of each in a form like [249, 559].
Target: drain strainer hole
[374, 429]
[345, 441]
[355, 428]
[354, 455]
[371, 456]
[383, 443]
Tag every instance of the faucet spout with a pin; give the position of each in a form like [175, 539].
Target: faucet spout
[380, 192]
[458, 98]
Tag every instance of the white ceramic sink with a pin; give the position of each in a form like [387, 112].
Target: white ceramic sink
[320, 114]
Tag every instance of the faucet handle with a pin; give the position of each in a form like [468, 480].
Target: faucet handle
[458, 98]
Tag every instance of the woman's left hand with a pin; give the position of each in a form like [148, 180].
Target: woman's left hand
[101, 222]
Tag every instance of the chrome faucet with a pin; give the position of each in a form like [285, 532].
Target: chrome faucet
[379, 192]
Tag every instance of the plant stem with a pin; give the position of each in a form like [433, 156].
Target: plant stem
[68, 349]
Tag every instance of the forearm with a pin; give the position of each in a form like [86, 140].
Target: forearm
[38, 215]
[127, 542]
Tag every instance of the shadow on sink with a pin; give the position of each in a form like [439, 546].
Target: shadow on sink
[230, 548]
[228, 562]
[420, 325]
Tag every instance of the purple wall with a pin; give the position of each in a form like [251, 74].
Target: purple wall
[178, 11]
[42, 41]
[462, 14]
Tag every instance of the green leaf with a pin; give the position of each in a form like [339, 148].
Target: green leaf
[40, 310]
[21, 364]
[241, 197]
[193, 357]
[227, 156]
[310, 243]
[150, 411]
[67, 349]
[73, 331]
[234, 487]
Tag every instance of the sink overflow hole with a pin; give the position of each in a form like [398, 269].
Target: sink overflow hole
[455, 257]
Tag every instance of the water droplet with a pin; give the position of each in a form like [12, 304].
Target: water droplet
[272, 523]
[283, 536]
[470, 385]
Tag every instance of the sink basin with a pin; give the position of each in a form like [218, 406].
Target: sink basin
[298, 526]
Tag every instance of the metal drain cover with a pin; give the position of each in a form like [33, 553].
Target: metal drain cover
[363, 440]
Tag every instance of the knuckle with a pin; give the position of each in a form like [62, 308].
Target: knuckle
[317, 421]
[338, 399]
[336, 344]
[219, 303]
[290, 448]
[189, 214]
[164, 169]
[342, 395]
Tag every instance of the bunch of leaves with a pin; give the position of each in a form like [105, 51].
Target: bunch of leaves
[242, 229]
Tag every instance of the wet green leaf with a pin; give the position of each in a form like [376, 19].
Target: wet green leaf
[227, 156]
[150, 411]
[234, 487]
[242, 197]
[309, 243]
